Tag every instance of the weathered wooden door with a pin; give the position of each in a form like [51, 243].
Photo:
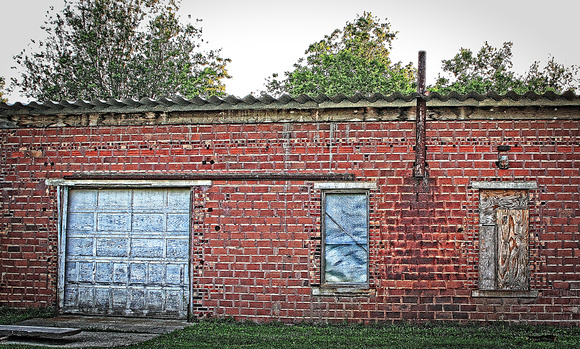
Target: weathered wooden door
[504, 240]
[127, 252]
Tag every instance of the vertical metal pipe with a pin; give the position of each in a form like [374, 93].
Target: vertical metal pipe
[421, 116]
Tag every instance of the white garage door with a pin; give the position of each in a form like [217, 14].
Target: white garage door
[126, 252]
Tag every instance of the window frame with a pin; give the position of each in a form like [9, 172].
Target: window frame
[348, 285]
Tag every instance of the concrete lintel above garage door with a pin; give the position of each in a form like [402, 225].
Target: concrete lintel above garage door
[120, 183]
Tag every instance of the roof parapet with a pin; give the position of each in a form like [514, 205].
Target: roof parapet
[178, 103]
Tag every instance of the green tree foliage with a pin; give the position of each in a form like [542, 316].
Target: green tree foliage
[2, 99]
[490, 70]
[120, 49]
[351, 60]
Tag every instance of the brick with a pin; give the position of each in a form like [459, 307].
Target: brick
[267, 249]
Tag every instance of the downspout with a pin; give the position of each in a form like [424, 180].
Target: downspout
[419, 170]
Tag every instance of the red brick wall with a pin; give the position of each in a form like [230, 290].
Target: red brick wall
[256, 244]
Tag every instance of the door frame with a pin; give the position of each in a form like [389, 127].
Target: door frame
[63, 187]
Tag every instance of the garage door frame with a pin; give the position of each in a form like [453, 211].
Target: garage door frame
[63, 187]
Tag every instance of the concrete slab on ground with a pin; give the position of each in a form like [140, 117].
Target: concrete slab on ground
[99, 331]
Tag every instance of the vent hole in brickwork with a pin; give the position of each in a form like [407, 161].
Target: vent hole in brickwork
[217, 228]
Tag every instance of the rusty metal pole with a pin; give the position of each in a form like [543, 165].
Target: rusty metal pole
[421, 116]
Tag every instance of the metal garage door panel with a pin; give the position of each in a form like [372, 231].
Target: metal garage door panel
[127, 252]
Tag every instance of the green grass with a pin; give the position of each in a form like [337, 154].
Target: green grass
[227, 334]
[231, 334]
[9, 316]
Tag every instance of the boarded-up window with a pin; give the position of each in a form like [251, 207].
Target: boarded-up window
[346, 243]
[504, 240]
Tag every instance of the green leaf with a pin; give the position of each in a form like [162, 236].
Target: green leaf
[2, 82]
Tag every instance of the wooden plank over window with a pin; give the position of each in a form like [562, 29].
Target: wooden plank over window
[487, 257]
[503, 240]
[513, 236]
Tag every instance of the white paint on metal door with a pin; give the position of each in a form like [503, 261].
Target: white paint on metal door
[127, 252]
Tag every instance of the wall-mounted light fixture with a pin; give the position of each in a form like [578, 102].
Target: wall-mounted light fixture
[502, 157]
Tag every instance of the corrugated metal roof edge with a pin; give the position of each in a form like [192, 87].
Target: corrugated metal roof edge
[179, 103]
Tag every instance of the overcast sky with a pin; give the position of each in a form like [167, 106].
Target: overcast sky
[262, 37]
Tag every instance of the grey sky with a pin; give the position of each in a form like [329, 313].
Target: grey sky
[263, 37]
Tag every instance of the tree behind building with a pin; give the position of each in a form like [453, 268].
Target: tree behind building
[354, 59]
[120, 49]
